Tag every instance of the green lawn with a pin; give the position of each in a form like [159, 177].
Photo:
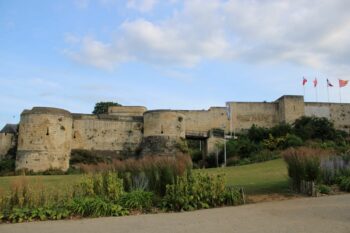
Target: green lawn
[52, 182]
[259, 178]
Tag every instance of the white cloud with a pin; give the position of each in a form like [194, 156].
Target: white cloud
[71, 39]
[98, 54]
[141, 5]
[305, 32]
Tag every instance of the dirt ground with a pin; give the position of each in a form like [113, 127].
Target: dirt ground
[309, 215]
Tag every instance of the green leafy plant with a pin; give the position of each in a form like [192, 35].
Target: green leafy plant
[199, 191]
[137, 200]
[344, 183]
[303, 164]
[324, 189]
[102, 107]
[107, 185]
[96, 207]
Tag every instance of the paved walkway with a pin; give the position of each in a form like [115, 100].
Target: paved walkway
[323, 214]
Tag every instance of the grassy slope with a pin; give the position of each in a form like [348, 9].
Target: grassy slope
[260, 178]
[51, 182]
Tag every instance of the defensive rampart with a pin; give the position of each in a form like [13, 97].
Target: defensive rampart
[47, 136]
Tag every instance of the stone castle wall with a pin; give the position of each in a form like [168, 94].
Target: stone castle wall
[164, 132]
[47, 135]
[7, 141]
[205, 120]
[290, 108]
[44, 140]
[126, 110]
[244, 115]
[107, 133]
[265, 114]
[339, 114]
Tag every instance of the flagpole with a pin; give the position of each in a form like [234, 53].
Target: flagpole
[304, 86]
[339, 94]
[328, 92]
[316, 93]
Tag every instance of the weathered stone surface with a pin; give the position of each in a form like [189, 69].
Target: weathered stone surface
[107, 133]
[126, 110]
[163, 145]
[44, 140]
[7, 141]
[164, 123]
[47, 135]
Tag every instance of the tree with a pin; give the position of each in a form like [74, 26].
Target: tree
[102, 107]
[314, 128]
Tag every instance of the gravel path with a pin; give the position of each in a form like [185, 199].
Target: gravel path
[323, 214]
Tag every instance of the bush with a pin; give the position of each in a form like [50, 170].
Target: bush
[324, 189]
[344, 183]
[7, 167]
[96, 207]
[106, 185]
[257, 134]
[241, 147]
[303, 164]
[137, 200]
[314, 128]
[273, 143]
[199, 191]
[292, 141]
[154, 172]
[281, 130]
[334, 167]
[232, 161]
[17, 215]
[265, 155]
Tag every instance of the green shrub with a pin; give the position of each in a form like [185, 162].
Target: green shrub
[155, 171]
[84, 156]
[265, 155]
[257, 134]
[106, 185]
[137, 200]
[244, 161]
[7, 167]
[274, 143]
[196, 155]
[333, 167]
[292, 140]
[96, 207]
[281, 130]
[303, 164]
[314, 128]
[29, 214]
[199, 191]
[324, 189]
[241, 147]
[344, 183]
[232, 161]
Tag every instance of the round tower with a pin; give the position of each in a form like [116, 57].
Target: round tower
[44, 140]
[164, 133]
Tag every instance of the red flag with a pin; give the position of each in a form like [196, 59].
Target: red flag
[315, 82]
[343, 83]
[304, 81]
[329, 84]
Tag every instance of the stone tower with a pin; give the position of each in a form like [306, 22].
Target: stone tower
[44, 139]
[164, 132]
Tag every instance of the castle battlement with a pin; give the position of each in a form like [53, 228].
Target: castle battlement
[46, 136]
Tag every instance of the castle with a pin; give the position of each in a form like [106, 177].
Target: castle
[46, 137]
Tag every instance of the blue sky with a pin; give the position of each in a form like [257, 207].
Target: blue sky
[168, 54]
